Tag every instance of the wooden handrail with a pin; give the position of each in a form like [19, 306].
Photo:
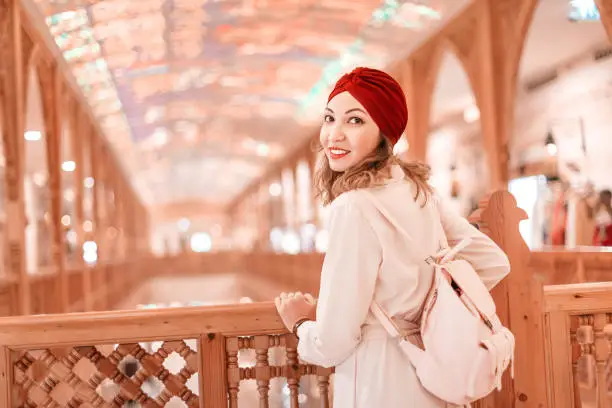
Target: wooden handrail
[27, 332]
[578, 298]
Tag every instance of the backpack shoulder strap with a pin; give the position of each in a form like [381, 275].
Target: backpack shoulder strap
[415, 249]
[417, 253]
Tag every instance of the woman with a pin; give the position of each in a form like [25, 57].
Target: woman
[366, 258]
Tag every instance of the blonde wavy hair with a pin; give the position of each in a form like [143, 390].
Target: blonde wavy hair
[374, 170]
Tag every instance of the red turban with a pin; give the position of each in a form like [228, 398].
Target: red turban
[382, 97]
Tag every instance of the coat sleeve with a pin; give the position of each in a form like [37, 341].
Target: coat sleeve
[348, 278]
[489, 261]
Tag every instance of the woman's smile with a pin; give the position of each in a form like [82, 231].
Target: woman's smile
[337, 153]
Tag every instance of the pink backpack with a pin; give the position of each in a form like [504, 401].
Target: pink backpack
[466, 348]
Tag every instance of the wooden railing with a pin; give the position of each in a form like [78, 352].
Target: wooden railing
[560, 266]
[79, 360]
[578, 324]
[69, 360]
[98, 287]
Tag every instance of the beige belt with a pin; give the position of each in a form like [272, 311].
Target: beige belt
[410, 331]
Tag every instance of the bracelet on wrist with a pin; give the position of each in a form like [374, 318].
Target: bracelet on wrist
[297, 325]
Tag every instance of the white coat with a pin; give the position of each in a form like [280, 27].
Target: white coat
[367, 260]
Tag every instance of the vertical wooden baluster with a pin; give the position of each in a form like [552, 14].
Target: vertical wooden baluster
[233, 371]
[323, 383]
[262, 370]
[601, 358]
[292, 369]
[6, 377]
[576, 354]
[607, 331]
[585, 336]
[213, 392]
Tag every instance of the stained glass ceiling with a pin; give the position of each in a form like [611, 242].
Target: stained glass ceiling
[184, 88]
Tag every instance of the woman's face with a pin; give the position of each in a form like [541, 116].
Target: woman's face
[348, 133]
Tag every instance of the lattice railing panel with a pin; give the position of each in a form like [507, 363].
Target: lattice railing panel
[158, 374]
[591, 336]
[267, 357]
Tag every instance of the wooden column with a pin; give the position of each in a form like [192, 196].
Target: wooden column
[605, 10]
[112, 202]
[488, 39]
[15, 57]
[107, 211]
[119, 215]
[121, 204]
[311, 159]
[130, 219]
[519, 304]
[77, 136]
[295, 199]
[129, 241]
[51, 89]
[143, 229]
[99, 226]
[418, 76]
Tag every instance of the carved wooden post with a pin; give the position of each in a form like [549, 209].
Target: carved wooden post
[605, 10]
[519, 305]
[13, 79]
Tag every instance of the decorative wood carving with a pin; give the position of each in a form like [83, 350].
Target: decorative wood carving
[104, 376]
[263, 372]
[519, 305]
[579, 335]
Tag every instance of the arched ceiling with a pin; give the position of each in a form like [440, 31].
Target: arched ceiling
[199, 96]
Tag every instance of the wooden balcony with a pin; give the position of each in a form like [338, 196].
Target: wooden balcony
[241, 355]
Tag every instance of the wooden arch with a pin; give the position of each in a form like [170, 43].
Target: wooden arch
[605, 10]
[488, 39]
[424, 68]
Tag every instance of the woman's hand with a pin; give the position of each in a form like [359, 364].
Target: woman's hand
[293, 307]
